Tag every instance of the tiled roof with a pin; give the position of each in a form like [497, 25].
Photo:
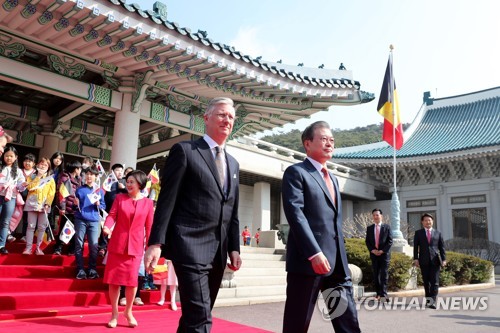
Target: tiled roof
[314, 77]
[444, 125]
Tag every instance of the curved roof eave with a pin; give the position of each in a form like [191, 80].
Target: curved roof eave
[453, 125]
[329, 81]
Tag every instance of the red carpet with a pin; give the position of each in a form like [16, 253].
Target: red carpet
[149, 321]
[40, 293]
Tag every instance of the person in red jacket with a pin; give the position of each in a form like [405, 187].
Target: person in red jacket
[131, 218]
[257, 237]
[247, 236]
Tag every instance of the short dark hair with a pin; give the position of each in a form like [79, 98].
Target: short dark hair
[377, 210]
[29, 157]
[308, 133]
[93, 170]
[72, 166]
[116, 166]
[140, 178]
[426, 215]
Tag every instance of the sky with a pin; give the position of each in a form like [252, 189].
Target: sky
[447, 47]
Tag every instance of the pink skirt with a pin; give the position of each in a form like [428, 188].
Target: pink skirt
[122, 269]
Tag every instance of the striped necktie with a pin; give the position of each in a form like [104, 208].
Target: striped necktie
[219, 163]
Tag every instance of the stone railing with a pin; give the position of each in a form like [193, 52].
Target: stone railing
[293, 155]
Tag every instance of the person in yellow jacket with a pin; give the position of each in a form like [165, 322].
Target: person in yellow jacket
[41, 192]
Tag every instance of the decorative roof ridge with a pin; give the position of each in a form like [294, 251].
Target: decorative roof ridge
[290, 72]
[428, 105]
[466, 98]
[425, 159]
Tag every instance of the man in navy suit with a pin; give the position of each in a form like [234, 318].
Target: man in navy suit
[196, 217]
[315, 257]
[429, 254]
[380, 252]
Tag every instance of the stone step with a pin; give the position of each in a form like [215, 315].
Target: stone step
[260, 271]
[247, 281]
[222, 302]
[262, 264]
[252, 291]
[251, 249]
[261, 256]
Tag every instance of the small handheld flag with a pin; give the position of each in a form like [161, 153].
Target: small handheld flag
[63, 191]
[100, 168]
[153, 175]
[110, 180]
[67, 232]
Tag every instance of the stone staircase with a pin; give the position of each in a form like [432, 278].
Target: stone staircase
[261, 279]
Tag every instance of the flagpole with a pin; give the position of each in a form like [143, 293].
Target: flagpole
[399, 240]
[391, 47]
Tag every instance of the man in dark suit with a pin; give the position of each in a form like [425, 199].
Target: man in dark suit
[429, 254]
[379, 241]
[315, 257]
[196, 217]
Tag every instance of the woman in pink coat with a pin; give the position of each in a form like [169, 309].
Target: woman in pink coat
[130, 218]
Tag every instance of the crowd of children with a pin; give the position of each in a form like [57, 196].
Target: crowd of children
[37, 200]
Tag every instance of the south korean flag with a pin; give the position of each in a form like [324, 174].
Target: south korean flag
[67, 232]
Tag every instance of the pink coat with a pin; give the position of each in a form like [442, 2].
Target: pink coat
[132, 226]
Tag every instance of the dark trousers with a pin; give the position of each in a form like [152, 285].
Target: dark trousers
[25, 223]
[301, 296]
[103, 242]
[198, 288]
[380, 267]
[430, 275]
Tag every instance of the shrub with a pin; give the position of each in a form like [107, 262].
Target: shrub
[399, 271]
[357, 254]
[464, 269]
[399, 267]
[455, 263]
[460, 268]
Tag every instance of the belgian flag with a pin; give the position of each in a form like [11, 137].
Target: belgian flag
[387, 105]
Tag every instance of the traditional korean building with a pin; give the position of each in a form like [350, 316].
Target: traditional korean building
[449, 165]
[122, 84]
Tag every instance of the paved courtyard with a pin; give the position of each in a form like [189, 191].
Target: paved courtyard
[405, 318]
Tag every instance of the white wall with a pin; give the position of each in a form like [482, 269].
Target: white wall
[445, 191]
[245, 210]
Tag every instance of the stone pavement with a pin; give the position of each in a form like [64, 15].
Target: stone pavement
[401, 318]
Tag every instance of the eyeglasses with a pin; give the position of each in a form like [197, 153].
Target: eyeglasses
[326, 139]
[222, 116]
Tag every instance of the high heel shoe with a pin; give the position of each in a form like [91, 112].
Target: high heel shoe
[131, 322]
[112, 323]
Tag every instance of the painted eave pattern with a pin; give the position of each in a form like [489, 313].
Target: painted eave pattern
[309, 76]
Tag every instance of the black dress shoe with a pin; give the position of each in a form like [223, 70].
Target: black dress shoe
[432, 306]
[3, 250]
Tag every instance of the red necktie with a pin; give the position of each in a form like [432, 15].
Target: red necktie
[429, 236]
[329, 184]
[377, 234]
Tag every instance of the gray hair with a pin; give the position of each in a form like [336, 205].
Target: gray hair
[218, 100]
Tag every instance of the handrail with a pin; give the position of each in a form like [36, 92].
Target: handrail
[293, 154]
